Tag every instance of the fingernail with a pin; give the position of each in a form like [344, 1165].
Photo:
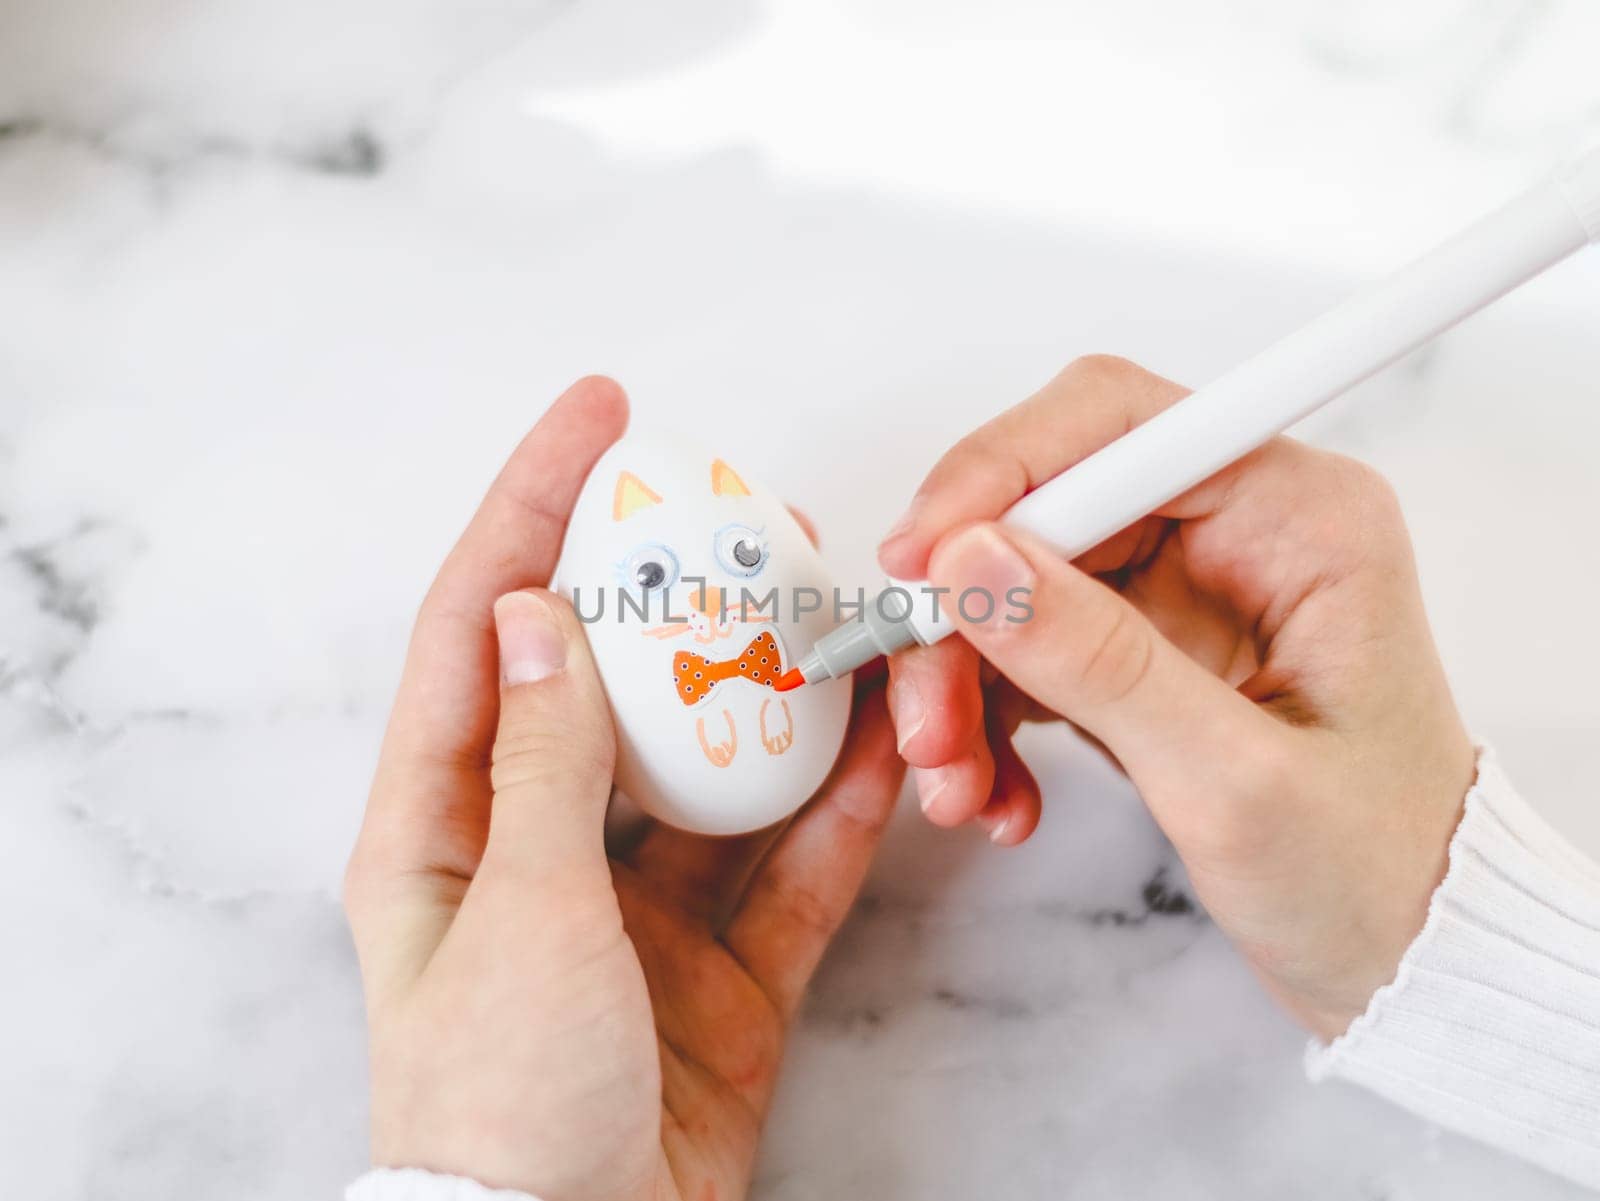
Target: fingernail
[980, 558]
[998, 830]
[532, 645]
[902, 527]
[909, 711]
[930, 783]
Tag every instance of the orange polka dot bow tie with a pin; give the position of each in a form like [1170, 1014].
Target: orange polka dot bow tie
[694, 675]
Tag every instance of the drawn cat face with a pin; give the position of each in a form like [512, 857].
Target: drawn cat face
[685, 575]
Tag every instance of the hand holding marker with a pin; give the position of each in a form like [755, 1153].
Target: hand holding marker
[1211, 428]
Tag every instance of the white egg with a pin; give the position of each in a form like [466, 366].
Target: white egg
[697, 590]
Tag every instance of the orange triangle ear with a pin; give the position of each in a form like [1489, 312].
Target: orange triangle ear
[632, 494]
[725, 481]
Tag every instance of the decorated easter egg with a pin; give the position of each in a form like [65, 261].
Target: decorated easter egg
[697, 590]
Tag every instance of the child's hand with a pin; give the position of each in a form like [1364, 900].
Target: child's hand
[1255, 655]
[543, 1018]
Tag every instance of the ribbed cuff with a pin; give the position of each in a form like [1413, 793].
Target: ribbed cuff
[1491, 1027]
[413, 1184]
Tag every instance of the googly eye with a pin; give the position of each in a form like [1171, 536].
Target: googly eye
[650, 568]
[741, 550]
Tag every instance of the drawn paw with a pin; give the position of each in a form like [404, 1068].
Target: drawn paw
[720, 754]
[777, 743]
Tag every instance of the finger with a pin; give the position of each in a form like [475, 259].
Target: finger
[1015, 805]
[429, 806]
[1088, 654]
[936, 701]
[1129, 548]
[956, 792]
[551, 777]
[954, 734]
[804, 887]
[554, 750]
[1289, 522]
[512, 541]
[1093, 402]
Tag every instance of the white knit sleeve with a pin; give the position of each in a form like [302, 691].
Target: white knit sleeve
[1491, 1027]
[413, 1184]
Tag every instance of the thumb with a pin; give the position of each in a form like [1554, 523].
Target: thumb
[1079, 648]
[555, 750]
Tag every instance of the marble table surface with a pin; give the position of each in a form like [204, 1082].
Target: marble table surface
[281, 284]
